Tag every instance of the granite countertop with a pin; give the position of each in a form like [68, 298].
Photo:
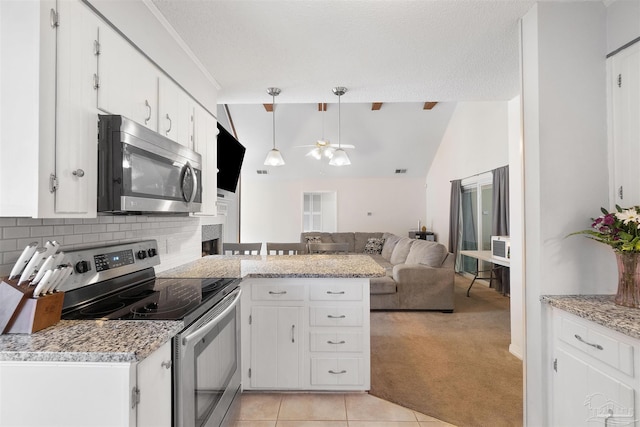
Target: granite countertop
[599, 309]
[90, 341]
[272, 266]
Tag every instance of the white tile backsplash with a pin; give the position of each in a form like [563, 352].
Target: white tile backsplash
[179, 238]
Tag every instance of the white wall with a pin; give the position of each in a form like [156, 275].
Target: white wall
[623, 23]
[475, 141]
[566, 178]
[272, 211]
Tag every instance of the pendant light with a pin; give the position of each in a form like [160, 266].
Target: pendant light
[274, 158]
[340, 157]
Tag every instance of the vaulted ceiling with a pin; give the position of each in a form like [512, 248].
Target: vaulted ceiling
[401, 53]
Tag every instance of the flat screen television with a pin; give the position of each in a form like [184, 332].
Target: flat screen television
[230, 157]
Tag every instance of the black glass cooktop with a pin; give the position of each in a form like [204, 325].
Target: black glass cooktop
[155, 299]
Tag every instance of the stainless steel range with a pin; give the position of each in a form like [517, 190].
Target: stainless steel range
[119, 282]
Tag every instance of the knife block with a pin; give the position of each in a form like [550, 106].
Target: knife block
[22, 313]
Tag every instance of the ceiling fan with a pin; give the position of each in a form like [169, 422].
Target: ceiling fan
[322, 147]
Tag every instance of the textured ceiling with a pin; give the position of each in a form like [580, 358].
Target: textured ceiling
[399, 52]
[389, 51]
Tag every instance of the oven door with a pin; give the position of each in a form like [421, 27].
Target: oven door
[207, 365]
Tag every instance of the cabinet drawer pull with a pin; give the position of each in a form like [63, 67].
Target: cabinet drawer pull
[335, 293]
[337, 372]
[334, 342]
[342, 316]
[166, 364]
[170, 124]
[579, 338]
[277, 293]
[146, 120]
[293, 333]
[78, 173]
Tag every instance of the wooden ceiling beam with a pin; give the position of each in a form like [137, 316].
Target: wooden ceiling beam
[376, 106]
[429, 105]
[268, 107]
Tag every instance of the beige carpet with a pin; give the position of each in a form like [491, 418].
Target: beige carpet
[455, 367]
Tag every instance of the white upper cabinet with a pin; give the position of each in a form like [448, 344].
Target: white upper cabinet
[205, 143]
[128, 82]
[175, 113]
[625, 120]
[76, 113]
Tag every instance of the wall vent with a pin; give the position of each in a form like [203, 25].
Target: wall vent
[262, 172]
[401, 171]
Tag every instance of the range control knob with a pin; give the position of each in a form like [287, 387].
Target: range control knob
[141, 254]
[82, 267]
[152, 252]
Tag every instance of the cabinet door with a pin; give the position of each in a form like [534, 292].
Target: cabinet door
[128, 81]
[584, 395]
[275, 347]
[154, 384]
[625, 120]
[76, 113]
[205, 143]
[168, 108]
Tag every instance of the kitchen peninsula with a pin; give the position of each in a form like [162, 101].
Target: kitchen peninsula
[305, 318]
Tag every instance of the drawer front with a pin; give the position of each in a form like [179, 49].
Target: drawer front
[277, 292]
[337, 371]
[336, 292]
[604, 348]
[335, 316]
[336, 342]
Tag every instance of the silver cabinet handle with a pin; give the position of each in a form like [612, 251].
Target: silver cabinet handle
[337, 372]
[146, 120]
[166, 364]
[579, 338]
[79, 173]
[334, 342]
[335, 293]
[170, 124]
[293, 333]
[277, 293]
[330, 316]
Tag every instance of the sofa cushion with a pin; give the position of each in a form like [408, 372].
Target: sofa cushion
[390, 241]
[427, 253]
[361, 239]
[388, 267]
[400, 252]
[374, 245]
[382, 285]
[344, 238]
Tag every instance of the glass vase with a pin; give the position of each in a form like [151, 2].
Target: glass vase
[628, 294]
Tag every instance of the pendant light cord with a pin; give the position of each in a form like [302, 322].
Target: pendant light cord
[339, 121]
[273, 107]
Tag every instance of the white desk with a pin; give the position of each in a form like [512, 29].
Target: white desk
[485, 256]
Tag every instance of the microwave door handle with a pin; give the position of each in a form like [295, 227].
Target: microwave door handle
[203, 330]
[194, 178]
[195, 184]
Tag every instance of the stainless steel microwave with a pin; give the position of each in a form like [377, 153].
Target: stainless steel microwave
[141, 171]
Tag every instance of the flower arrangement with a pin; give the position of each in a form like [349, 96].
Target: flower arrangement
[620, 229]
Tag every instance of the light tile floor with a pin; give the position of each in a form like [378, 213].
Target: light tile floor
[326, 410]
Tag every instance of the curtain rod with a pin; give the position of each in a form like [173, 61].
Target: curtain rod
[478, 174]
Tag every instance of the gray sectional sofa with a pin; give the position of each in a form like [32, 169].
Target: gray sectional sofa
[420, 273]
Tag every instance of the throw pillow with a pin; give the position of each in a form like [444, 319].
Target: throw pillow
[313, 239]
[374, 245]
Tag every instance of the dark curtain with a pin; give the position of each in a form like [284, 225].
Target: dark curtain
[500, 221]
[455, 219]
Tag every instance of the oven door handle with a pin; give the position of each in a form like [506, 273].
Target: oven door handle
[206, 328]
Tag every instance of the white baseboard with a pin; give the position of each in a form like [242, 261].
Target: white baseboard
[516, 351]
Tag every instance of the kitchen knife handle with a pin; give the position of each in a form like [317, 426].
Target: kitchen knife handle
[23, 259]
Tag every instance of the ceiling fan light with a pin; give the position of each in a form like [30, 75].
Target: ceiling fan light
[315, 153]
[340, 158]
[328, 152]
[274, 158]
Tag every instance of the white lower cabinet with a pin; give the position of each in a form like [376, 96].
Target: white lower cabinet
[306, 334]
[87, 394]
[593, 378]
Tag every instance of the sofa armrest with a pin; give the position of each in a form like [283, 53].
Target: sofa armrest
[424, 288]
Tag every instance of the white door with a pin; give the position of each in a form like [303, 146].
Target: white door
[275, 347]
[76, 113]
[625, 90]
[585, 396]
